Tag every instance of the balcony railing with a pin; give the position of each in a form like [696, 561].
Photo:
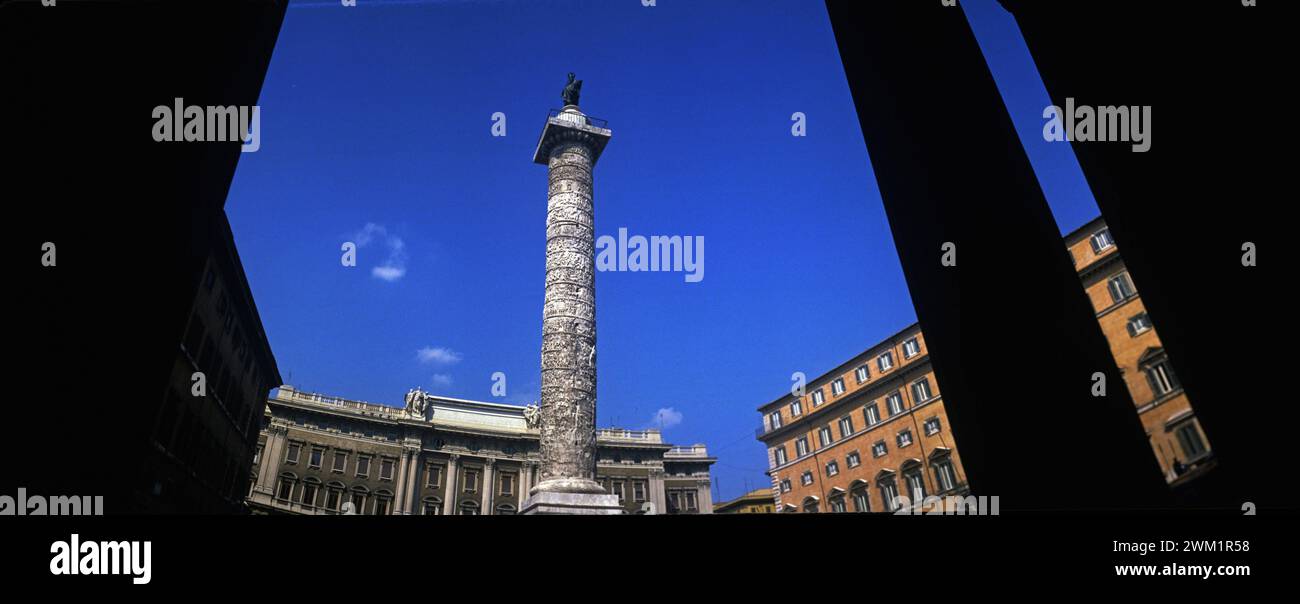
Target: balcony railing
[594, 122]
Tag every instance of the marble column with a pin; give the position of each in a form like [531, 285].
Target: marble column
[569, 146]
[489, 484]
[449, 484]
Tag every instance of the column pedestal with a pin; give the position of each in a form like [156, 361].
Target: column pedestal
[550, 503]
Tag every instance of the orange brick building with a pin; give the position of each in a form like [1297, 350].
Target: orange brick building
[1176, 437]
[863, 434]
[874, 428]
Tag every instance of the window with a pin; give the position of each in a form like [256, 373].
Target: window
[832, 468]
[774, 420]
[359, 495]
[818, 397]
[810, 506]
[837, 505]
[333, 496]
[294, 449]
[316, 454]
[363, 466]
[638, 491]
[471, 480]
[778, 455]
[1101, 241]
[507, 484]
[1162, 378]
[1139, 324]
[895, 402]
[889, 493]
[872, 414]
[944, 475]
[386, 469]
[860, 501]
[904, 438]
[853, 459]
[806, 478]
[285, 492]
[846, 426]
[340, 461]
[837, 386]
[932, 426]
[434, 475]
[824, 436]
[785, 486]
[921, 390]
[1121, 288]
[432, 507]
[616, 488]
[863, 374]
[469, 508]
[879, 449]
[801, 446]
[689, 500]
[309, 494]
[885, 362]
[257, 457]
[915, 485]
[911, 348]
[1189, 437]
[796, 408]
[383, 503]
[505, 509]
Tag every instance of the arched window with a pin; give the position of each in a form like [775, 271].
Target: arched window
[310, 489]
[359, 496]
[469, 508]
[432, 506]
[811, 505]
[505, 509]
[858, 493]
[334, 495]
[284, 492]
[383, 503]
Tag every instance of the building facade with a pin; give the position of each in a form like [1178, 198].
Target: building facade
[205, 429]
[1165, 411]
[863, 434]
[757, 501]
[453, 456]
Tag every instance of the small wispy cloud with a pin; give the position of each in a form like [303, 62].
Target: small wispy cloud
[440, 379]
[666, 417]
[439, 355]
[394, 265]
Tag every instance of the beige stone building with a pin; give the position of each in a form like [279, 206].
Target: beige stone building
[317, 453]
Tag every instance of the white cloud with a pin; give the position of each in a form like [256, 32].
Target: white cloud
[441, 379]
[394, 266]
[388, 273]
[667, 417]
[441, 356]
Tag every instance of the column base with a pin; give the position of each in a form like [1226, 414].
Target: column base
[543, 503]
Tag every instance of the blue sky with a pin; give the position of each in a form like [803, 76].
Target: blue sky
[376, 128]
